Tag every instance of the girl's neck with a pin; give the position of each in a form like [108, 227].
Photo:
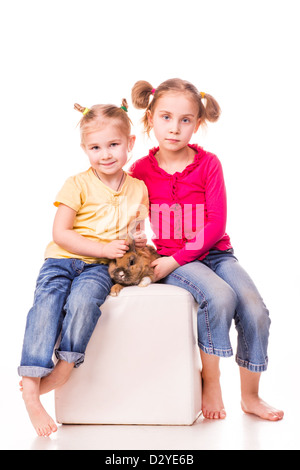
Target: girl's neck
[173, 162]
[114, 182]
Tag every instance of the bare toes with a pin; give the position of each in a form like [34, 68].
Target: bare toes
[258, 407]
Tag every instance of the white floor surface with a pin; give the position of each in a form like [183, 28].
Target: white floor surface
[237, 432]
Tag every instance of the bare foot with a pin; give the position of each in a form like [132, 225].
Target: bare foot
[212, 402]
[41, 421]
[252, 404]
[57, 378]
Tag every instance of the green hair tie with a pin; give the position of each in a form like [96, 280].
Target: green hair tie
[125, 109]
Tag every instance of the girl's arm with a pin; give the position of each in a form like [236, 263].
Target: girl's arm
[70, 240]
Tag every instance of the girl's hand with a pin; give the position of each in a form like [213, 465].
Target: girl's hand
[164, 266]
[140, 239]
[114, 249]
[72, 241]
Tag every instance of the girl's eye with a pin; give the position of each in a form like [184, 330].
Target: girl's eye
[114, 144]
[165, 117]
[185, 120]
[95, 147]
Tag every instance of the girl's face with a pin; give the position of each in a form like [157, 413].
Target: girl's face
[107, 149]
[174, 120]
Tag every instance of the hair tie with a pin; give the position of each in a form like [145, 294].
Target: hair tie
[85, 111]
[202, 94]
[124, 108]
[153, 91]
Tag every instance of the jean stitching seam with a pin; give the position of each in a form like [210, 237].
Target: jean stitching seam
[250, 366]
[243, 335]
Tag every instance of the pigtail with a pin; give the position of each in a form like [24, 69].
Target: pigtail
[124, 105]
[87, 114]
[209, 108]
[141, 93]
[79, 108]
[83, 110]
[140, 96]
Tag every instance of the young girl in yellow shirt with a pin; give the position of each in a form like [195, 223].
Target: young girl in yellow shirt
[96, 210]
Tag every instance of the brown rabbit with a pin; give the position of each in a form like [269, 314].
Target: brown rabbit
[133, 268]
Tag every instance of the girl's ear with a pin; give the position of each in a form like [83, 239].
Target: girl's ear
[83, 147]
[197, 125]
[150, 118]
[131, 142]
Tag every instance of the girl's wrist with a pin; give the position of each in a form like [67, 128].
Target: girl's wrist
[101, 250]
[174, 263]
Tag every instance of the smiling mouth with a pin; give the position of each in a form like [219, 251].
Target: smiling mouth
[172, 140]
[107, 164]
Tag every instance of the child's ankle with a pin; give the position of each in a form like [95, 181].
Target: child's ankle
[211, 376]
[249, 396]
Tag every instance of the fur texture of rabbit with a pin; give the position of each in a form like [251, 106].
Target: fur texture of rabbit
[133, 269]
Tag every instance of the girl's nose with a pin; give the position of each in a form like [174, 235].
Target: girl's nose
[174, 128]
[106, 154]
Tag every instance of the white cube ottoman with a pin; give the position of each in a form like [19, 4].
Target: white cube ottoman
[142, 364]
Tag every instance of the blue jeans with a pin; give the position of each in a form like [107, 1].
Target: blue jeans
[67, 298]
[224, 291]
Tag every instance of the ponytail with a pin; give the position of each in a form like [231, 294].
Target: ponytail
[210, 111]
[141, 93]
[124, 105]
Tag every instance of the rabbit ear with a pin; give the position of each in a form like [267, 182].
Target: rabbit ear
[131, 242]
[132, 245]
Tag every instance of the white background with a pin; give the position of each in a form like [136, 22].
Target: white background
[244, 53]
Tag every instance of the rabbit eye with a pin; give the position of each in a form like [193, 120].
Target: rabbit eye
[131, 261]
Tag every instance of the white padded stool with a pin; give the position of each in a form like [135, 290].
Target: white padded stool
[142, 364]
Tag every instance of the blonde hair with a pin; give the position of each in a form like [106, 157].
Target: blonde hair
[95, 117]
[142, 92]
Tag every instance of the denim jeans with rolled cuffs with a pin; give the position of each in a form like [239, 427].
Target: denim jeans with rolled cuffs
[67, 298]
[224, 291]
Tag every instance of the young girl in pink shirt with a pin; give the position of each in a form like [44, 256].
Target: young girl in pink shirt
[188, 217]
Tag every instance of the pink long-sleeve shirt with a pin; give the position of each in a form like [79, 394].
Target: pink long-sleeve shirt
[187, 210]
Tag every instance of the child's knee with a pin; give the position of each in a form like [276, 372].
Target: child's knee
[224, 302]
[255, 311]
[83, 302]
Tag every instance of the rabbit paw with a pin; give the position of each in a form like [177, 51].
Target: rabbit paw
[115, 290]
[145, 281]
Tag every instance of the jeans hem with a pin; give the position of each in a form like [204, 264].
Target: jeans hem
[69, 356]
[34, 371]
[216, 352]
[252, 367]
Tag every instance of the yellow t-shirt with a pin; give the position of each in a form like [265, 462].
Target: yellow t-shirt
[102, 214]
